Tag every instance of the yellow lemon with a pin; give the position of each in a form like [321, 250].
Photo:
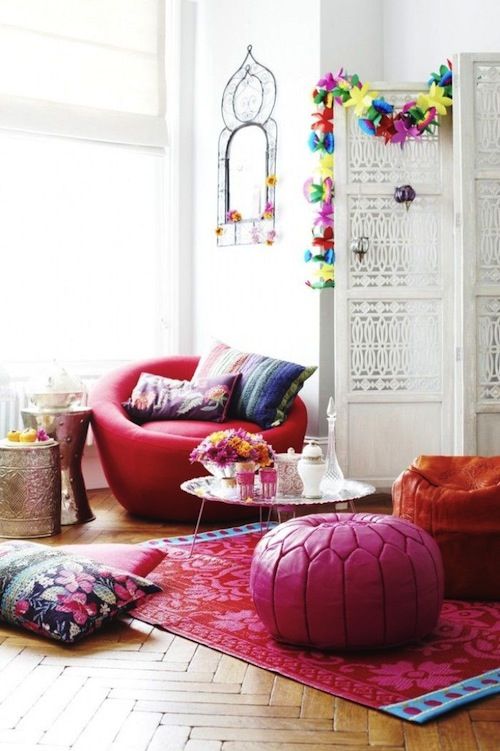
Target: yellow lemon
[28, 436]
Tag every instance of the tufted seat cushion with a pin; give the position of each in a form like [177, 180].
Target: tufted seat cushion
[347, 581]
[457, 500]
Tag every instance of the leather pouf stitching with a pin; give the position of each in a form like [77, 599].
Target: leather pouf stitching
[347, 581]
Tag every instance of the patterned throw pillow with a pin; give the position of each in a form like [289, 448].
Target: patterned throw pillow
[158, 398]
[61, 596]
[267, 387]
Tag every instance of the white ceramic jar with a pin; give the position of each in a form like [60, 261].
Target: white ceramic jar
[311, 468]
[289, 482]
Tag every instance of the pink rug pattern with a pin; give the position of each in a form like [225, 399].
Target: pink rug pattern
[206, 598]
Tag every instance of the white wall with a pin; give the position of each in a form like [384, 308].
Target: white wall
[418, 37]
[351, 37]
[254, 297]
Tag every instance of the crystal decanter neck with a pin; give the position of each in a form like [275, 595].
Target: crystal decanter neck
[333, 475]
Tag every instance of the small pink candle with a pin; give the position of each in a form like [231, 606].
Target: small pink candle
[245, 481]
[268, 480]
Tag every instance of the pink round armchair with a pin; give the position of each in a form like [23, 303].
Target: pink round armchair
[145, 464]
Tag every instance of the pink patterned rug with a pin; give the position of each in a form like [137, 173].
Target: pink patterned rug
[206, 598]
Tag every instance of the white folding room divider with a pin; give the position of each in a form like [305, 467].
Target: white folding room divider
[476, 128]
[394, 308]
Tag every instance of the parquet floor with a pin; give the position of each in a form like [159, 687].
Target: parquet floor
[137, 687]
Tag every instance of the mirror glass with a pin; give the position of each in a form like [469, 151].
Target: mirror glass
[247, 157]
[247, 163]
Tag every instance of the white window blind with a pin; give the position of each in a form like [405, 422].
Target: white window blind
[85, 68]
[82, 271]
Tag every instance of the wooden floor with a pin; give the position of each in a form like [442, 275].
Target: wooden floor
[137, 687]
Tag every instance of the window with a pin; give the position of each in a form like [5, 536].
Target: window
[84, 263]
[82, 241]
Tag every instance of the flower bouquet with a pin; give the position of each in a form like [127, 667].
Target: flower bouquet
[225, 452]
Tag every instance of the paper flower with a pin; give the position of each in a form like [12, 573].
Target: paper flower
[326, 164]
[324, 142]
[382, 106]
[435, 98]
[324, 273]
[233, 216]
[330, 256]
[324, 217]
[428, 119]
[268, 212]
[386, 128]
[324, 241]
[403, 129]
[219, 231]
[270, 237]
[367, 126]
[324, 120]
[361, 99]
[271, 181]
[313, 191]
[328, 81]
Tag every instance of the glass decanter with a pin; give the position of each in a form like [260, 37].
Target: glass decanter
[333, 477]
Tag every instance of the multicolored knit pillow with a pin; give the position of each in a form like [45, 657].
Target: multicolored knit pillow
[267, 387]
[61, 596]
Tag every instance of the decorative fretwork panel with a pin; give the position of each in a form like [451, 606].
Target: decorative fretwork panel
[395, 345]
[371, 161]
[404, 246]
[488, 230]
[487, 115]
[488, 349]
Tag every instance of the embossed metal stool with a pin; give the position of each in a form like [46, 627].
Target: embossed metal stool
[30, 490]
[69, 427]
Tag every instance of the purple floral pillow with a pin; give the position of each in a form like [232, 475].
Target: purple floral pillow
[62, 596]
[158, 398]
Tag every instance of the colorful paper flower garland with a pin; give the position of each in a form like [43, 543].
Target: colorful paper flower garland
[376, 117]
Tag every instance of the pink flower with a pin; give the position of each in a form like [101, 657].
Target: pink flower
[22, 606]
[127, 591]
[427, 675]
[72, 580]
[77, 605]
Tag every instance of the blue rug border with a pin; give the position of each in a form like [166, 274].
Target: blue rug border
[215, 534]
[465, 692]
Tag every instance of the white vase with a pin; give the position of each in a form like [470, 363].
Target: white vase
[311, 468]
[226, 478]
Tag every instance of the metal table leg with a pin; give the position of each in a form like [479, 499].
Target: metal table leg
[195, 533]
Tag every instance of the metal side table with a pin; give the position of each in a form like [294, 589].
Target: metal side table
[68, 427]
[30, 489]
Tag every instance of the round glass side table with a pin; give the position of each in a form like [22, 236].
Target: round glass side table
[206, 489]
[68, 427]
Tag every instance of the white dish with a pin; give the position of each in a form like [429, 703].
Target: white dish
[18, 445]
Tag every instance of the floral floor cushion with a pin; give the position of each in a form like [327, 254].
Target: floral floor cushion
[62, 596]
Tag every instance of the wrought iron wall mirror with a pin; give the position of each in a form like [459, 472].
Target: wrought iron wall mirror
[247, 156]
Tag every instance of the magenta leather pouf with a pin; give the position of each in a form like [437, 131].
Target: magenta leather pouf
[347, 581]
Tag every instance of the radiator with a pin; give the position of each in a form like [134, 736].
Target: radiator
[13, 399]
[10, 405]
